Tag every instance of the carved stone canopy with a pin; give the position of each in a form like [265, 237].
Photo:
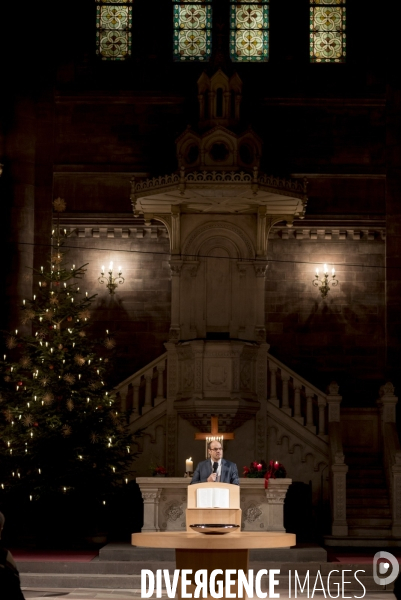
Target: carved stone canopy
[223, 192]
[217, 377]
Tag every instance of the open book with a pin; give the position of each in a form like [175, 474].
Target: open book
[212, 498]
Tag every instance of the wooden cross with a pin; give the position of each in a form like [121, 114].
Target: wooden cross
[214, 434]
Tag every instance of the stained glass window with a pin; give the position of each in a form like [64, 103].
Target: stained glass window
[113, 29]
[249, 35]
[192, 29]
[327, 31]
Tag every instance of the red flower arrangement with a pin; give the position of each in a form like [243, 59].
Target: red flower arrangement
[275, 470]
[159, 472]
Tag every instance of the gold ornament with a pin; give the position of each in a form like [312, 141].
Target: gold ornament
[25, 362]
[28, 420]
[59, 205]
[11, 342]
[93, 438]
[44, 381]
[84, 314]
[110, 343]
[48, 315]
[28, 316]
[60, 346]
[48, 398]
[82, 334]
[94, 385]
[69, 378]
[66, 429]
[8, 415]
[7, 378]
[57, 258]
[79, 359]
[53, 300]
[70, 405]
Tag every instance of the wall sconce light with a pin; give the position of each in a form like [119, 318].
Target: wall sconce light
[323, 284]
[109, 280]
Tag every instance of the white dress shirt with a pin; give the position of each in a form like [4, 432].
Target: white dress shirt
[218, 472]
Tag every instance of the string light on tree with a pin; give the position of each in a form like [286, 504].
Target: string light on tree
[58, 411]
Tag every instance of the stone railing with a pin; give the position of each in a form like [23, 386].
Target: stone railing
[318, 413]
[338, 468]
[391, 453]
[297, 398]
[165, 503]
[144, 389]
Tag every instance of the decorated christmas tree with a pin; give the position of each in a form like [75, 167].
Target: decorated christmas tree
[62, 434]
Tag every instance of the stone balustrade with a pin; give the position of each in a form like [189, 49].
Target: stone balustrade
[391, 452]
[297, 398]
[143, 390]
[165, 503]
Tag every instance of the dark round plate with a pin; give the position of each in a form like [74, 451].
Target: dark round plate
[214, 528]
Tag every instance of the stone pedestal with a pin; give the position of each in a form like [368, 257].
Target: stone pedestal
[165, 503]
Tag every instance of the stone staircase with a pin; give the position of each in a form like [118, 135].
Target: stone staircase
[352, 455]
[119, 567]
[368, 503]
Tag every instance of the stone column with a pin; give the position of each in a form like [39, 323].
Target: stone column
[273, 384]
[148, 391]
[160, 393]
[338, 468]
[392, 452]
[275, 496]
[176, 267]
[151, 499]
[285, 407]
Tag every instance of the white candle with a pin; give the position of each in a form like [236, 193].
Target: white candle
[189, 465]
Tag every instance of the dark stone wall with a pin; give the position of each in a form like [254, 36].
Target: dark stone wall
[79, 128]
[138, 314]
[341, 337]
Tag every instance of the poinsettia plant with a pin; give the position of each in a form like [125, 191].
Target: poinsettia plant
[275, 471]
[160, 471]
[259, 469]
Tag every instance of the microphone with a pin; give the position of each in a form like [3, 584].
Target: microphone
[215, 467]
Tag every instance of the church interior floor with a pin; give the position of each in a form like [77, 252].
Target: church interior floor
[98, 594]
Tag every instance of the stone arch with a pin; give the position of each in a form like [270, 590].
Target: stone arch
[219, 231]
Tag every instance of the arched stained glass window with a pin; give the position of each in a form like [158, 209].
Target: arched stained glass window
[327, 31]
[113, 29]
[192, 29]
[249, 35]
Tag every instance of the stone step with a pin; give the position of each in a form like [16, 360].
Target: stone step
[122, 552]
[367, 484]
[126, 552]
[367, 541]
[369, 522]
[363, 472]
[133, 582]
[379, 501]
[368, 511]
[379, 533]
[366, 493]
[80, 580]
[95, 567]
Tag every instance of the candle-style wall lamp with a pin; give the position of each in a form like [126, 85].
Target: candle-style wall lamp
[111, 280]
[325, 282]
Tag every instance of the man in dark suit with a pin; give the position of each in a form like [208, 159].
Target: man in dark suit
[215, 468]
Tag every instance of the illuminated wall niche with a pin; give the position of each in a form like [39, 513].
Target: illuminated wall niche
[327, 31]
[113, 29]
[192, 30]
[249, 35]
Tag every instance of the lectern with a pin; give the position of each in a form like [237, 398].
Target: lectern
[213, 514]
